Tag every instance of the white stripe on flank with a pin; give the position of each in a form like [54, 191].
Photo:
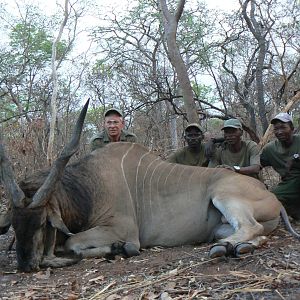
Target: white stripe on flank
[125, 179]
[166, 179]
[150, 185]
[189, 182]
[178, 176]
[158, 182]
[203, 173]
[157, 158]
[136, 178]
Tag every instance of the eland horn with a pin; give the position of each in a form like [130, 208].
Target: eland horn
[44, 192]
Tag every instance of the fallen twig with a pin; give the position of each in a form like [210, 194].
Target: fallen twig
[144, 283]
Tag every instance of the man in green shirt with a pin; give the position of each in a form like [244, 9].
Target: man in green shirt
[283, 155]
[194, 153]
[234, 153]
[113, 130]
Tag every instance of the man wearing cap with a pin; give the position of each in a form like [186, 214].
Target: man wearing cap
[283, 155]
[113, 130]
[241, 156]
[194, 153]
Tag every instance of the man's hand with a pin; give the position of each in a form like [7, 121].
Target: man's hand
[226, 167]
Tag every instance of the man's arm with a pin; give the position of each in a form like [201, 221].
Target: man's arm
[250, 170]
[264, 162]
[254, 159]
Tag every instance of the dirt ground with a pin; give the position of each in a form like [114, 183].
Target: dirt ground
[272, 272]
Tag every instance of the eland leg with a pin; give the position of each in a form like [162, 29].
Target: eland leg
[240, 216]
[226, 230]
[101, 241]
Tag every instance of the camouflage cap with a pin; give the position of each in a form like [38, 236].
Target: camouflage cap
[232, 123]
[195, 125]
[113, 110]
[283, 117]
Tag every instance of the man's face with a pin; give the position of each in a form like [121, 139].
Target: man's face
[232, 135]
[114, 125]
[193, 137]
[283, 131]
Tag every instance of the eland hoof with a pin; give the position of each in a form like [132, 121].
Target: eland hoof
[126, 249]
[243, 248]
[116, 249]
[220, 250]
[131, 249]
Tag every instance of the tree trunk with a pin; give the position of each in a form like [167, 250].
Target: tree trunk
[170, 23]
[55, 87]
[259, 33]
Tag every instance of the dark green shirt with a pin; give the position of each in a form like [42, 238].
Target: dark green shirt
[277, 156]
[185, 156]
[101, 139]
[247, 156]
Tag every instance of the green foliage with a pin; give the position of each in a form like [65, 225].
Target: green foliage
[7, 110]
[202, 91]
[145, 10]
[214, 125]
[34, 42]
[93, 116]
[193, 29]
[102, 69]
[26, 62]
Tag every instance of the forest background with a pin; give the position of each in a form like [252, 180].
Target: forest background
[164, 63]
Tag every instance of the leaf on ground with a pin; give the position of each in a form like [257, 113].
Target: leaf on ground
[173, 272]
[96, 279]
[43, 274]
[113, 297]
[165, 296]
[73, 297]
[170, 285]
[149, 296]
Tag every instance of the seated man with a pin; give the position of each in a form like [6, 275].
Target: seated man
[194, 153]
[113, 130]
[235, 153]
[283, 155]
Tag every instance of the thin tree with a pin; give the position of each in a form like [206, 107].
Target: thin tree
[55, 85]
[259, 31]
[170, 23]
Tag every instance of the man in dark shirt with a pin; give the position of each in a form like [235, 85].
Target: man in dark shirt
[283, 155]
[242, 156]
[194, 153]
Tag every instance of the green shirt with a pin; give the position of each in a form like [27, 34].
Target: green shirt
[185, 156]
[276, 156]
[247, 156]
[101, 139]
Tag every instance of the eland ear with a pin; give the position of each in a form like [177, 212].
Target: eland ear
[56, 221]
